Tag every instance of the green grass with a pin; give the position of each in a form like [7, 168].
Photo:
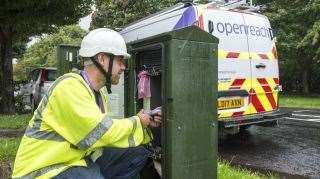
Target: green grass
[299, 101]
[225, 171]
[8, 148]
[14, 121]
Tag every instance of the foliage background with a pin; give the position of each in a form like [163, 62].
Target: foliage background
[296, 24]
[43, 52]
[297, 27]
[20, 20]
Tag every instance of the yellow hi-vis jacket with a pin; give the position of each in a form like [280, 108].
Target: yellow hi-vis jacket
[67, 127]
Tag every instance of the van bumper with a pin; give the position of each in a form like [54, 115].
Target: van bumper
[264, 119]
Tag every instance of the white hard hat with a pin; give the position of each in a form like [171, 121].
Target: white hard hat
[103, 40]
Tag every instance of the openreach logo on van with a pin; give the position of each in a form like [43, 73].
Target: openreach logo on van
[240, 29]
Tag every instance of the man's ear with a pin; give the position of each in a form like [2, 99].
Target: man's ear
[100, 58]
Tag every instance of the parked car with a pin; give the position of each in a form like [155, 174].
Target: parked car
[40, 81]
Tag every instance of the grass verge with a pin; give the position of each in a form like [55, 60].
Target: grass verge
[8, 148]
[225, 171]
[14, 121]
[299, 101]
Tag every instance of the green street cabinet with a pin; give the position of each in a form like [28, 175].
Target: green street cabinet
[183, 70]
[68, 58]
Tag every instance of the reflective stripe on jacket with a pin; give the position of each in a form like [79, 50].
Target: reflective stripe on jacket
[67, 126]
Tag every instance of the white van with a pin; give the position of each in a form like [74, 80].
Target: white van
[248, 63]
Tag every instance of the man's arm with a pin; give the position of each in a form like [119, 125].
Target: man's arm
[77, 118]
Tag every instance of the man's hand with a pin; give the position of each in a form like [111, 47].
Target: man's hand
[147, 120]
[156, 122]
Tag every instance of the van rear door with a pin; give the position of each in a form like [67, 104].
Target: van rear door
[264, 64]
[234, 65]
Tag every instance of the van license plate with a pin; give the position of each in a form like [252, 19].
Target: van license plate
[230, 103]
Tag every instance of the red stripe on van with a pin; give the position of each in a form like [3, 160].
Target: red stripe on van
[255, 101]
[237, 83]
[271, 100]
[264, 85]
[276, 80]
[264, 56]
[267, 89]
[237, 114]
[233, 55]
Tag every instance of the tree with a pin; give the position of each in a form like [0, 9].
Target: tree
[43, 52]
[116, 14]
[21, 19]
[297, 27]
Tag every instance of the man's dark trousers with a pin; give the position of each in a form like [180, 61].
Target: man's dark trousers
[114, 163]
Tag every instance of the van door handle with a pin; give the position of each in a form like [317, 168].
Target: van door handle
[261, 65]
